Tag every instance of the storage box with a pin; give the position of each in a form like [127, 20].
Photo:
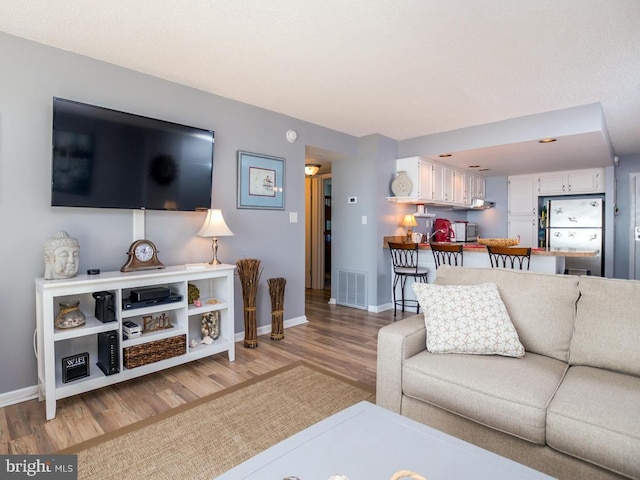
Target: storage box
[155, 351]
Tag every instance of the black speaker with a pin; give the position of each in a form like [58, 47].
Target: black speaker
[108, 352]
[105, 306]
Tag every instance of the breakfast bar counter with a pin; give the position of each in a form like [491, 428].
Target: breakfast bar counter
[476, 255]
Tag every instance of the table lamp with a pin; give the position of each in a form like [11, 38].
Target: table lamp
[214, 226]
[409, 221]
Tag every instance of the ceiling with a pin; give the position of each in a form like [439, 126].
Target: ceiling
[400, 69]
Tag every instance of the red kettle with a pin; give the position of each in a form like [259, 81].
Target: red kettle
[443, 231]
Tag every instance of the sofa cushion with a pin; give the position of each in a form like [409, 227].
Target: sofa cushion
[467, 319]
[507, 394]
[541, 305]
[607, 330]
[595, 416]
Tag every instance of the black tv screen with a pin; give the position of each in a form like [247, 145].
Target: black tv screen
[105, 158]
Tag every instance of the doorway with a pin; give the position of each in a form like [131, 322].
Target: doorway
[318, 232]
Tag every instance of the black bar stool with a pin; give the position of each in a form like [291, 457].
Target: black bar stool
[404, 257]
[447, 254]
[509, 257]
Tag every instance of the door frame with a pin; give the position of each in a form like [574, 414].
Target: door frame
[634, 202]
[315, 232]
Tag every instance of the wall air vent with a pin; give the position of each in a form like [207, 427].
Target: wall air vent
[352, 289]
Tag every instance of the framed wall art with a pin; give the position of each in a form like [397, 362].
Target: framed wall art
[260, 181]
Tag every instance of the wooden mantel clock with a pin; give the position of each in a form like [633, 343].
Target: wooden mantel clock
[143, 255]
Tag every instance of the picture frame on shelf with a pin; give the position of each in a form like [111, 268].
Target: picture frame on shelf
[260, 181]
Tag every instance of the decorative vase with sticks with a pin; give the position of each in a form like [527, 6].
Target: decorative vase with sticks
[276, 292]
[249, 272]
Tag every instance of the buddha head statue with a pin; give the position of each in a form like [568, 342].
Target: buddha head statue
[61, 256]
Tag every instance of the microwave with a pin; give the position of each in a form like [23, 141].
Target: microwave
[465, 232]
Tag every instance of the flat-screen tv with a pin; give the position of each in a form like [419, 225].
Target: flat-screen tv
[104, 158]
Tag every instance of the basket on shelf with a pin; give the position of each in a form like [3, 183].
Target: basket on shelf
[151, 352]
[499, 242]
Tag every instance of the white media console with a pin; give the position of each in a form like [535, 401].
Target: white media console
[52, 344]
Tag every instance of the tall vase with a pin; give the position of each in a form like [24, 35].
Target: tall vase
[249, 272]
[276, 292]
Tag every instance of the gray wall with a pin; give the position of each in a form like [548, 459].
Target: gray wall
[492, 222]
[31, 75]
[623, 228]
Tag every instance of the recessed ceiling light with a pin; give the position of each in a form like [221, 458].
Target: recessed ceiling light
[445, 155]
[483, 169]
[474, 166]
[547, 140]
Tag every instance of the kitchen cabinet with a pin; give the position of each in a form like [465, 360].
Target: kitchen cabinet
[461, 185]
[477, 187]
[420, 172]
[443, 184]
[525, 227]
[523, 195]
[438, 184]
[572, 182]
[523, 209]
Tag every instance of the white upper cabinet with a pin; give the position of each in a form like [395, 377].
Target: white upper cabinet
[572, 182]
[523, 195]
[439, 193]
[439, 184]
[478, 187]
[420, 172]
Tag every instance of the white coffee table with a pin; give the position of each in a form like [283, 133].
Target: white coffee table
[367, 442]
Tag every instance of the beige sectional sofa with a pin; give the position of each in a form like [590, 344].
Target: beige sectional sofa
[570, 407]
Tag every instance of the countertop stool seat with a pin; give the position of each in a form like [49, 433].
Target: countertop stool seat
[404, 257]
[447, 254]
[509, 257]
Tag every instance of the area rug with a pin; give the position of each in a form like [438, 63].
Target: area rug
[209, 436]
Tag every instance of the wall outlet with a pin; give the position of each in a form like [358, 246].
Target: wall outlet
[352, 200]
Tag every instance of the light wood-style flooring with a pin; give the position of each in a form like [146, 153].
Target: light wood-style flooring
[337, 338]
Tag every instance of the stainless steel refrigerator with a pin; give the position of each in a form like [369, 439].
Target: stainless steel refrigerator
[577, 224]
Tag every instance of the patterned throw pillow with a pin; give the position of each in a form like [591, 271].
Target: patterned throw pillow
[467, 319]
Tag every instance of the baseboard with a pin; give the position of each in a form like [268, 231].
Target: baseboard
[380, 308]
[29, 393]
[263, 330]
[18, 396]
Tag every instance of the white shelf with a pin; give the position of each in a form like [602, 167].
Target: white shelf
[92, 326]
[214, 282]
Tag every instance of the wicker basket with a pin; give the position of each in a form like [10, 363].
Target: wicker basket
[499, 242]
[150, 352]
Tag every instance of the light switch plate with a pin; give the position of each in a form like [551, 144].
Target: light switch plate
[293, 217]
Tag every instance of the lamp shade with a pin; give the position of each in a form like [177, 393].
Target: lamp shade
[409, 221]
[214, 225]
